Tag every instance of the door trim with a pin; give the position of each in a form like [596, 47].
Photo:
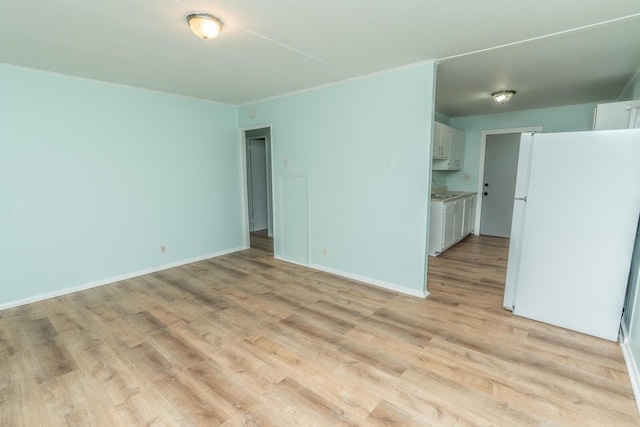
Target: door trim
[483, 147]
[250, 195]
[242, 147]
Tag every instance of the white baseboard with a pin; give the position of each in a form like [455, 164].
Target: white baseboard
[367, 280]
[633, 369]
[102, 282]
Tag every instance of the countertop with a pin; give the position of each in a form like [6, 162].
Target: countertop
[446, 195]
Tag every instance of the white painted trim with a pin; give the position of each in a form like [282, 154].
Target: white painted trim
[624, 334]
[244, 193]
[97, 283]
[370, 281]
[243, 179]
[483, 148]
[340, 82]
[265, 138]
[632, 369]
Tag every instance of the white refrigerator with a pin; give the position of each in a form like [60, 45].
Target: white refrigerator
[575, 214]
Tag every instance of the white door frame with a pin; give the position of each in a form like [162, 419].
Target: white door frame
[250, 171]
[243, 180]
[483, 148]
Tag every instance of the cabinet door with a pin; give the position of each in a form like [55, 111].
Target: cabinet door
[456, 153]
[437, 130]
[458, 219]
[449, 224]
[436, 228]
[446, 142]
[459, 159]
[472, 214]
[440, 136]
[469, 215]
[453, 150]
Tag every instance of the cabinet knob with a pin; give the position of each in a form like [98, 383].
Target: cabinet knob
[485, 194]
[486, 184]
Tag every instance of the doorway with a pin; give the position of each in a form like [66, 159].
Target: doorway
[256, 145]
[499, 184]
[258, 202]
[496, 186]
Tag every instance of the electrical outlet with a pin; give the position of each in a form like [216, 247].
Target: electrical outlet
[324, 252]
[286, 162]
[467, 177]
[163, 249]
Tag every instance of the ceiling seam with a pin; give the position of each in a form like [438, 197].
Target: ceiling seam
[285, 46]
[442, 9]
[547, 36]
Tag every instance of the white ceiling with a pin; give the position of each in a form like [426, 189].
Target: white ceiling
[270, 48]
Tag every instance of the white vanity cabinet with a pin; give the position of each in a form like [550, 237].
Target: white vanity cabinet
[451, 221]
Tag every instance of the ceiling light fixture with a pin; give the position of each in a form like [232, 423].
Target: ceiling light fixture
[204, 25]
[503, 96]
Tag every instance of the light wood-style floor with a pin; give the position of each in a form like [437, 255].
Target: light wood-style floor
[260, 240]
[246, 340]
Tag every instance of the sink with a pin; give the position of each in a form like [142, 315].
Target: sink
[441, 196]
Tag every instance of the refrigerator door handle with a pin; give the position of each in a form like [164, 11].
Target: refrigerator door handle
[524, 199]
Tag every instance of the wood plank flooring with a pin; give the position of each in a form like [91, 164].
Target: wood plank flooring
[246, 340]
[260, 240]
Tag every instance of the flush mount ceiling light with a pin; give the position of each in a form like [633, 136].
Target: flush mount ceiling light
[204, 25]
[503, 96]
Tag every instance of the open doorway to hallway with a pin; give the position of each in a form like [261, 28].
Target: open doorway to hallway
[257, 151]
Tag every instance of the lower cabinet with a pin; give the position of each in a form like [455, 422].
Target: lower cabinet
[450, 222]
[453, 219]
[469, 220]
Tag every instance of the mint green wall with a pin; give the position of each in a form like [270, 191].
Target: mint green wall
[556, 119]
[99, 176]
[439, 178]
[365, 147]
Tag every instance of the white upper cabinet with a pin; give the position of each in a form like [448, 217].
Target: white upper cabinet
[617, 115]
[441, 141]
[456, 157]
[448, 147]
